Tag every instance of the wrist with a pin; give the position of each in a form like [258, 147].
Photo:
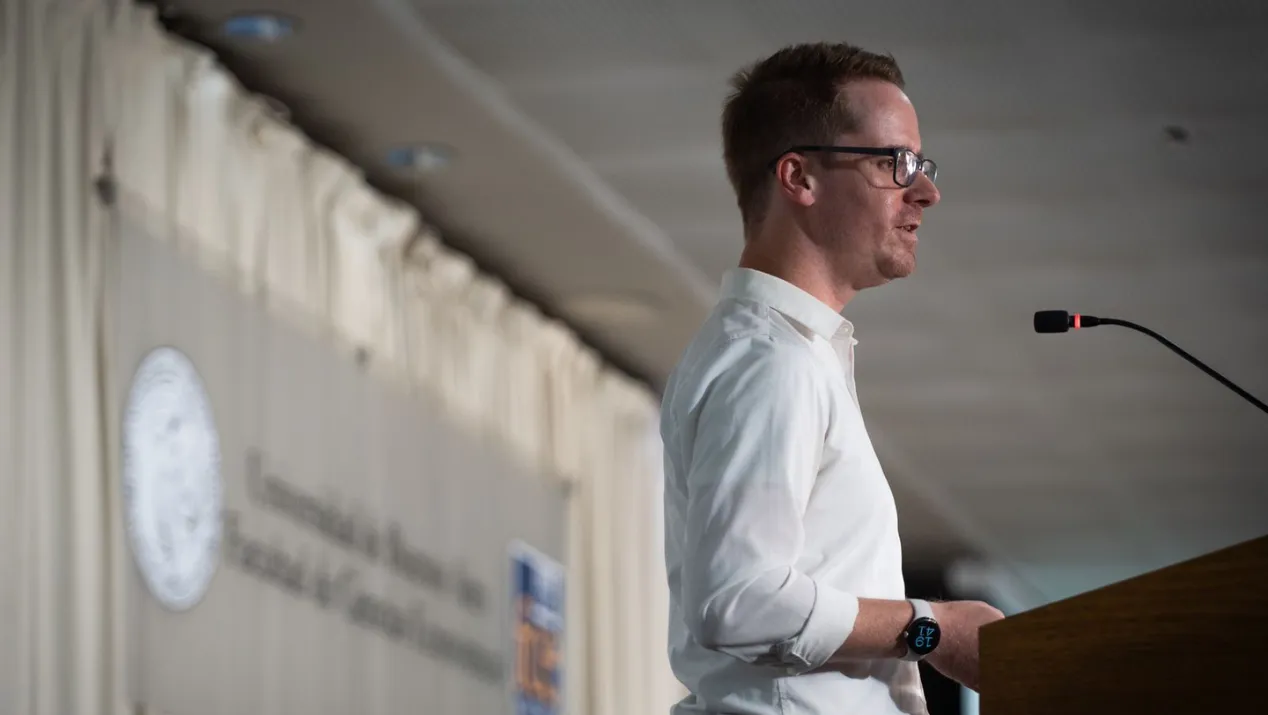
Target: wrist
[939, 609]
[923, 632]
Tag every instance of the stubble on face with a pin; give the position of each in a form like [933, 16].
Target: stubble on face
[874, 210]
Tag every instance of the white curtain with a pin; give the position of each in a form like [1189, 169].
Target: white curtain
[56, 553]
[255, 202]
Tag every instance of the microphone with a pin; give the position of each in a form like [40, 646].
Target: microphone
[1059, 321]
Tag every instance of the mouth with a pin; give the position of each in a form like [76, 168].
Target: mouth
[909, 228]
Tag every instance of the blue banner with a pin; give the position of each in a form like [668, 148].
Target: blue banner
[537, 583]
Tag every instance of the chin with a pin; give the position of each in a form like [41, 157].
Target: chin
[899, 268]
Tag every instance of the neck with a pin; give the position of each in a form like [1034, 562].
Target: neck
[800, 263]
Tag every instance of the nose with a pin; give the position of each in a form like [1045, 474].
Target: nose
[923, 192]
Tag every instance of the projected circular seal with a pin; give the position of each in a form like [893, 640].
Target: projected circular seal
[171, 479]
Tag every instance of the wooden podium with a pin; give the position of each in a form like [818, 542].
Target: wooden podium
[1189, 638]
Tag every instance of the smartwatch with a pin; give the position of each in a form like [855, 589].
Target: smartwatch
[923, 633]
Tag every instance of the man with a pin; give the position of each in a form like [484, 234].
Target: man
[782, 547]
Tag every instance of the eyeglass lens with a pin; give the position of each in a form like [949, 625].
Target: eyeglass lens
[909, 164]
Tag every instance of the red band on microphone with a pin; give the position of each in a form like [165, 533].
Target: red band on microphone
[1077, 321]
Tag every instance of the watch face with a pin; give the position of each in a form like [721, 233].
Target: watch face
[171, 479]
[923, 636]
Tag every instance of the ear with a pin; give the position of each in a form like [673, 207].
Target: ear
[794, 180]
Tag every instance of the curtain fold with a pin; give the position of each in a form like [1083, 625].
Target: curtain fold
[55, 545]
[210, 168]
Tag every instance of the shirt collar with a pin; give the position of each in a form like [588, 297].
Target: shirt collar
[793, 302]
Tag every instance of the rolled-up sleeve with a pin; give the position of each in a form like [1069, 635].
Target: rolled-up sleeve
[757, 437]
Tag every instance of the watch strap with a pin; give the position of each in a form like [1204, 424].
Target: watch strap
[922, 610]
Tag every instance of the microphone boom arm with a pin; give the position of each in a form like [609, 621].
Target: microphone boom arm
[1198, 363]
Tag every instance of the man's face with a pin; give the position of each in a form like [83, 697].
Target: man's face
[860, 214]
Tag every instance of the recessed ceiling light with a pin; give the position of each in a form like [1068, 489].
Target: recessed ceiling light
[259, 27]
[1176, 134]
[421, 158]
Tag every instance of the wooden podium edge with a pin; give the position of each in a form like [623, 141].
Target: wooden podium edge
[1191, 634]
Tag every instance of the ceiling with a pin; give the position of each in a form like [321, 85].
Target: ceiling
[589, 177]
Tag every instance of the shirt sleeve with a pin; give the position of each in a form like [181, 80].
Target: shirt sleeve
[754, 457]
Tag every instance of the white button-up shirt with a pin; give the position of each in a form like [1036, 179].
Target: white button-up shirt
[778, 517]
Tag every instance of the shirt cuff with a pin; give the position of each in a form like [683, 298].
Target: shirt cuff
[831, 621]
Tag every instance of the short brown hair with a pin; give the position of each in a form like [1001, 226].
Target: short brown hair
[792, 97]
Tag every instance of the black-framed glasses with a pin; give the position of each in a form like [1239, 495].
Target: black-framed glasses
[907, 163]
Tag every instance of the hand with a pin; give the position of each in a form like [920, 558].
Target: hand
[957, 653]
